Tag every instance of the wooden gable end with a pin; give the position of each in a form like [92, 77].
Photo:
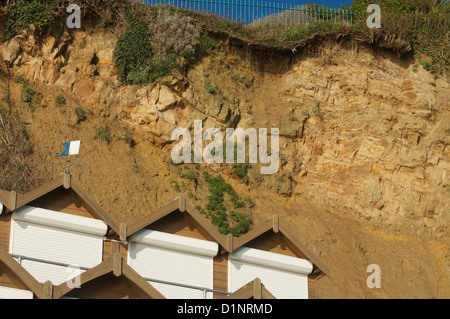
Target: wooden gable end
[274, 243]
[108, 286]
[10, 279]
[182, 224]
[64, 201]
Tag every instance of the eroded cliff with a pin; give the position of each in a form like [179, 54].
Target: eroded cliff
[364, 144]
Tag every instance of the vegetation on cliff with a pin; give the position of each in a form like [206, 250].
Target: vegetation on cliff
[424, 24]
[160, 36]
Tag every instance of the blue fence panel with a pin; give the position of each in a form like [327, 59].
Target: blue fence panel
[257, 12]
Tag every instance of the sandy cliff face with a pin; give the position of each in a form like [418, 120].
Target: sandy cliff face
[365, 145]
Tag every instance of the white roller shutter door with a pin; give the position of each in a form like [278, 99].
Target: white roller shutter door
[175, 259]
[44, 237]
[284, 276]
[14, 293]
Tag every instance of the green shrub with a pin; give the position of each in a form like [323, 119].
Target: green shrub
[20, 80]
[162, 66]
[240, 169]
[27, 94]
[60, 100]
[175, 185]
[200, 209]
[133, 51]
[103, 134]
[146, 52]
[227, 222]
[425, 24]
[210, 89]
[189, 175]
[80, 114]
[205, 44]
[24, 13]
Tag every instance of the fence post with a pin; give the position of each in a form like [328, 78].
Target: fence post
[315, 14]
[285, 14]
[305, 15]
[290, 14]
[308, 14]
[253, 11]
[233, 8]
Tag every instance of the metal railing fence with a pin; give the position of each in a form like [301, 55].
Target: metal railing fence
[262, 12]
[205, 290]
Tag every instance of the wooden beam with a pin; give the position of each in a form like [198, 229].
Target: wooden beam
[40, 191]
[182, 203]
[229, 242]
[115, 247]
[245, 292]
[48, 289]
[257, 288]
[101, 269]
[67, 179]
[265, 294]
[275, 221]
[4, 198]
[123, 231]
[10, 265]
[140, 282]
[312, 288]
[206, 225]
[254, 233]
[94, 207]
[117, 265]
[12, 201]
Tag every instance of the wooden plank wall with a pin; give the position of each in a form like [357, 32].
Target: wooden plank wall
[5, 228]
[105, 287]
[271, 242]
[179, 224]
[7, 279]
[220, 274]
[312, 288]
